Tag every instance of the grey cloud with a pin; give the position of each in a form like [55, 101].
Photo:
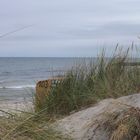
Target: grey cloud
[66, 25]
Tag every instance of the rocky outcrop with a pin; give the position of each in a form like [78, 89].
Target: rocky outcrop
[85, 124]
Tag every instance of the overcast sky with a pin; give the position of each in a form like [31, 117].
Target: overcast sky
[63, 28]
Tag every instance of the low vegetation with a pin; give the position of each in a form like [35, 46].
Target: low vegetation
[124, 125]
[82, 86]
[88, 83]
[35, 126]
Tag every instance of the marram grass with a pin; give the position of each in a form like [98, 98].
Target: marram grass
[25, 126]
[124, 125]
[86, 84]
[82, 86]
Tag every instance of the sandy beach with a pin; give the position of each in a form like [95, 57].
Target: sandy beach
[15, 107]
[15, 100]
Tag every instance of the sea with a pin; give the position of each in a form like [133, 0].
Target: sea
[18, 76]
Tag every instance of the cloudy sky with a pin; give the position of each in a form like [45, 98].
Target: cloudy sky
[63, 28]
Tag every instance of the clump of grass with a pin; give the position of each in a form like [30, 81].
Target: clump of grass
[124, 125]
[28, 126]
[86, 84]
[82, 86]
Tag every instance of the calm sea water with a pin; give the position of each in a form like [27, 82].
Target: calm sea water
[18, 76]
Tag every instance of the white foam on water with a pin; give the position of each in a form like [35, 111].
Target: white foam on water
[17, 87]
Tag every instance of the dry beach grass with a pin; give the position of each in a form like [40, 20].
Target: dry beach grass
[83, 86]
[124, 125]
[87, 84]
[28, 126]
